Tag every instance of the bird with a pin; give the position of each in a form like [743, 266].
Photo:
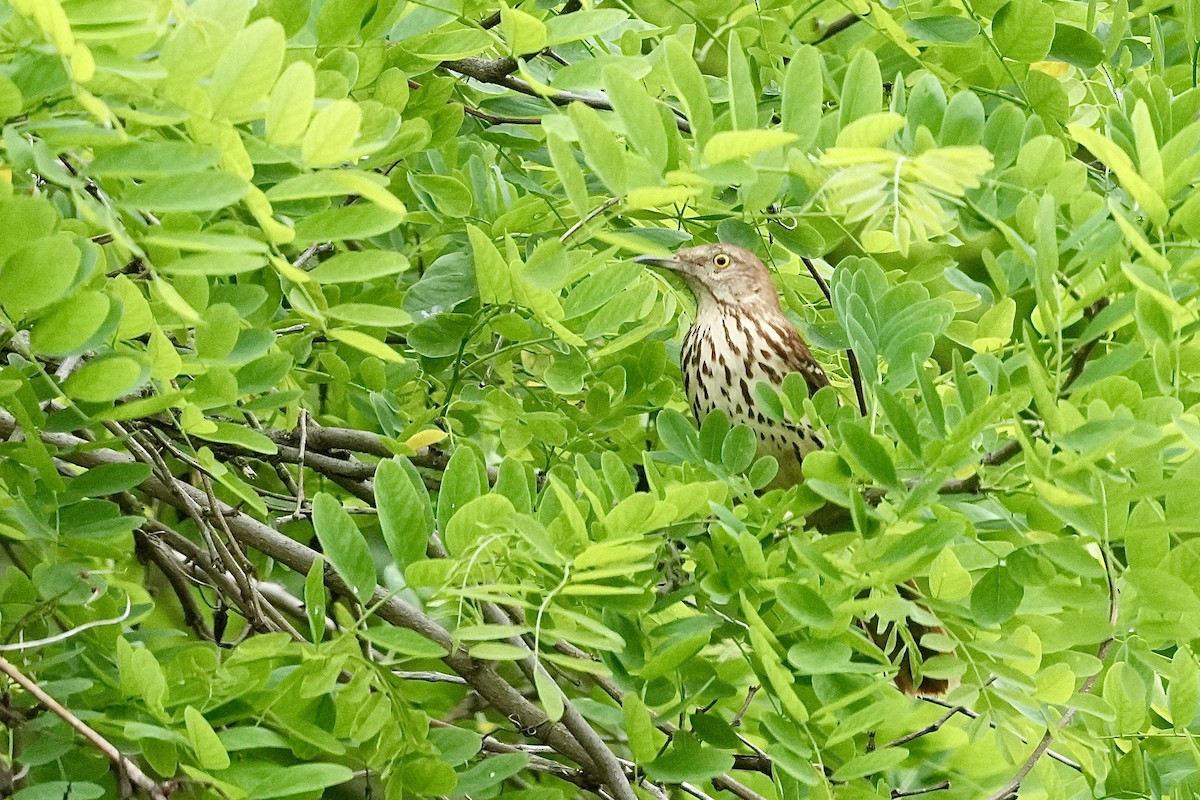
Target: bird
[740, 336]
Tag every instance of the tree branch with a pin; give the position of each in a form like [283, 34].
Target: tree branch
[480, 674]
[837, 26]
[498, 71]
[122, 762]
[855, 371]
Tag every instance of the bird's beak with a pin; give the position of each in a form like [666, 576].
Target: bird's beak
[665, 263]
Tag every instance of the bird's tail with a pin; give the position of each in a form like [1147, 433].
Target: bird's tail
[896, 646]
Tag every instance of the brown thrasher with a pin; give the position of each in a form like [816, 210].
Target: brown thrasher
[740, 336]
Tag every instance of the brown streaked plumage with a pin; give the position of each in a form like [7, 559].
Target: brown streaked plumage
[740, 336]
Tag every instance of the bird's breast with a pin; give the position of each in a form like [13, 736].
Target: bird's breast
[724, 358]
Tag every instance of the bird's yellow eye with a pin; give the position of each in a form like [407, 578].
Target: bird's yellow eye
[721, 260]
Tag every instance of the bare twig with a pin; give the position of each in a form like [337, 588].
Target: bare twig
[591, 215]
[928, 729]
[837, 26]
[855, 370]
[498, 119]
[737, 718]
[122, 762]
[67, 634]
[479, 673]
[937, 787]
[499, 71]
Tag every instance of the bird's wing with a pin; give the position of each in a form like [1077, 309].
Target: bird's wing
[800, 359]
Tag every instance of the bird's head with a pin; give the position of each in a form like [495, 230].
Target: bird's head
[724, 273]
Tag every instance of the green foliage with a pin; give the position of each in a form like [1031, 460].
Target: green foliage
[343, 450]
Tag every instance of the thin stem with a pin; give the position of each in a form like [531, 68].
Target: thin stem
[127, 767]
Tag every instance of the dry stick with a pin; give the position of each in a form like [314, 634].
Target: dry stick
[606, 760]
[122, 762]
[481, 675]
[970, 714]
[499, 73]
[837, 26]
[591, 215]
[202, 568]
[928, 729]
[937, 787]
[498, 119]
[855, 371]
[173, 571]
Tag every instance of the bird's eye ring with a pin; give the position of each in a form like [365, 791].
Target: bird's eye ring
[721, 260]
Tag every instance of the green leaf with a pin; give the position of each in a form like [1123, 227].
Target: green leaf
[733, 145]
[738, 449]
[475, 518]
[491, 268]
[582, 24]
[996, 596]
[331, 133]
[315, 599]
[600, 147]
[550, 695]
[210, 753]
[639, 729]
[639, 114]
[805, 605]
[359, 266]
[743, 99]
[689, 761]
[343, 544]
[862, 88]
[870, 763]
[1122, 166]
[802, 96]
[38, 274]
[245, 438]
[948, 29]
[367, 344]
[153, 159]
[247, 68]
[405, 514]
[462, 482]
[948, 579]
[677, 434]
[291, 104]
[691, 88]
[489, 772]
[197, 191]
[1023, 30]
[869, 455]
[106, 479]
[71, 326]
[1183, 691]
[370, 315]
[1125, 691]
[215, 264]
[1076, 46]
[298, 779]
[106, 378]
[525, 33]
[403, 641]
[359, 221]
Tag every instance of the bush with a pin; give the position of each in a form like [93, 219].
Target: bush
[344, 451]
